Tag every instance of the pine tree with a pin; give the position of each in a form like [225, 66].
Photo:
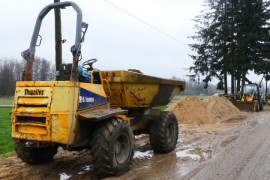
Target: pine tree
[232, 38]
[213, 36]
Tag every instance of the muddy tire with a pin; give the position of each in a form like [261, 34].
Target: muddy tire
[32, 155]
[164, 133]
[256, 106]
[112, 148]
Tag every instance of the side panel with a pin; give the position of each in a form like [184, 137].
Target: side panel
[91, 95]
[133, 95]
[63, 114]
[88, 99]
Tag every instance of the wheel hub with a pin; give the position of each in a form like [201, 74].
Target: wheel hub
[170, 132]
[121, 148]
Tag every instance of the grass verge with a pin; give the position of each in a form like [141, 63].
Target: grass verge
[6, 101]
[6, 143]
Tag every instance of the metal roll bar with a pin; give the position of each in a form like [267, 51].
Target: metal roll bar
[29, 54]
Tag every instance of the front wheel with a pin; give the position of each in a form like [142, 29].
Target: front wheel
[256, 106]
[164, 133]
[112, 148]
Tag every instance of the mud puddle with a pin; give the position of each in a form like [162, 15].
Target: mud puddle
[195, 154]
[195, 146]
[228, 141]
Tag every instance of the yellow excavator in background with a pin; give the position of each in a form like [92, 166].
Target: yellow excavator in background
[267, 97]
[250, 99]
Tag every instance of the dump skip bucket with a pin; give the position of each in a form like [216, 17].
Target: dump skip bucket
[129, 89]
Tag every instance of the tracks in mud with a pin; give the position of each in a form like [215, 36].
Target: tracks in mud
[235, 150]
[245, 157]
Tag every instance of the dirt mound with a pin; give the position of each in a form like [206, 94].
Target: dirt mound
[189, 110]
[214, 109]
[220, 109]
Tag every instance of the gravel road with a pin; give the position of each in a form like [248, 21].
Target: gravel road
[246, 158]
[237, 149]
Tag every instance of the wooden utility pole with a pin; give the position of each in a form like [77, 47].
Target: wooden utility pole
[58, 37]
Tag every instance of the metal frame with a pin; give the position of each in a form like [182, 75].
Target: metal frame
[29, 54]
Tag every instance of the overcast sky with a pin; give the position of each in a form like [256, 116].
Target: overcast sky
[118, 41]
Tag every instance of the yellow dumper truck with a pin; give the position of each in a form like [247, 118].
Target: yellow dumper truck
[88, 108]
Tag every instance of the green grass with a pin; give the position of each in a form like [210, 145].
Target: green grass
[6, 143]
[6, 101]
[162, 108]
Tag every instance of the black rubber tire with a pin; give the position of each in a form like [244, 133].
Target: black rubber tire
[261, 105]
[32, 155]
[112, 136]
[164, 133]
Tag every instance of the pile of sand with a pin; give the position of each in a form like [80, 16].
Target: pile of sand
[220, 109]
[189, 110]
[214, 109]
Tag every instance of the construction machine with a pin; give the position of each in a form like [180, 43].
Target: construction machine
[250, 99]
[267, 96]
[267, 99]
[88, 108]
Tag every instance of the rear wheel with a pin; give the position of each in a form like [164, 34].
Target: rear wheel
[164, 133]
[112, 148]
[32, 155]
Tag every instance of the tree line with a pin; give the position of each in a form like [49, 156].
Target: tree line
[195, 87]
[11, 70]
[232, 39]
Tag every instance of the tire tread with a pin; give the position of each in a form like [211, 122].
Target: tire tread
[158, 133]
[100, 148]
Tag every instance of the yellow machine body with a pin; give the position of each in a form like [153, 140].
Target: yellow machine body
[247, 97]
[49, 110]
[268, 99]
[57, 111]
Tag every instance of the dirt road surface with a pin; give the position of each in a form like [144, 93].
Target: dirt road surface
[238, 149]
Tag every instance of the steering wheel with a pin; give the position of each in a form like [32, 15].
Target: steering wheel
[89, 64]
